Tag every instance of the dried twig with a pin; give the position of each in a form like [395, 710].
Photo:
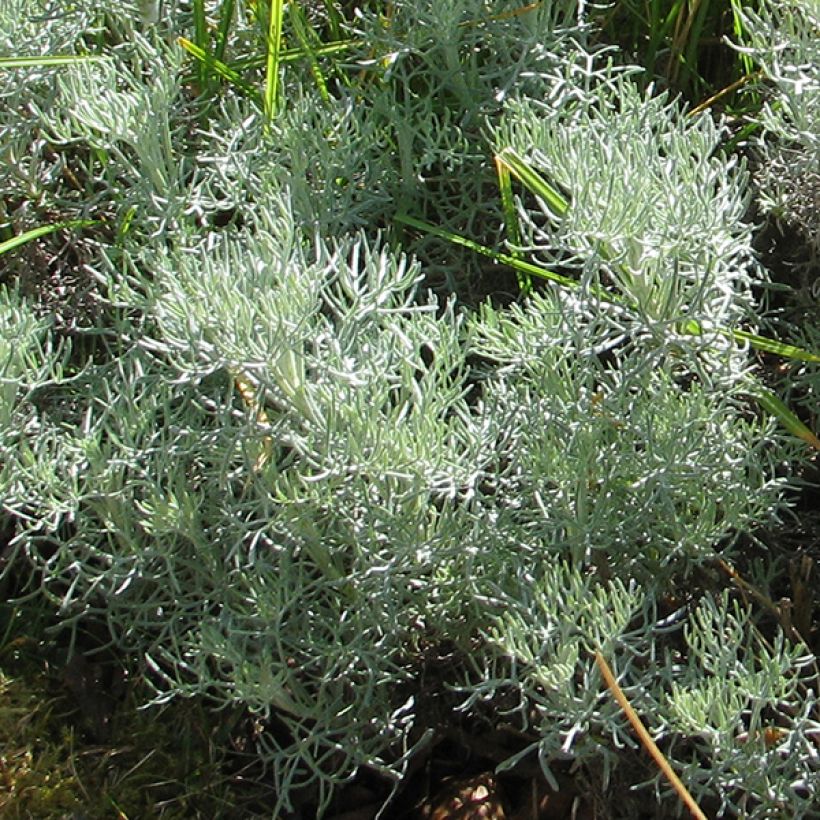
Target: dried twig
[646, 739]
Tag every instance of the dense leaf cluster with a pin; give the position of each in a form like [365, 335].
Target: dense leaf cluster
[279, 467]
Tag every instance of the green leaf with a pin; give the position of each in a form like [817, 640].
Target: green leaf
[225, 20]
[533, 181]
[303, 31]
[43, 230]
[773, 346]
[220, 68]
[772, 404]
[767, 400]
[291, 55]
[274, 44]
[201, 39]
[504, 258]
[761, 343]
[511, 221]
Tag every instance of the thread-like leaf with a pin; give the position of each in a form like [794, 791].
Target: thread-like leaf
[274, 44]
[42, 230]
[220, 68]
[303, 31]
[511, 221]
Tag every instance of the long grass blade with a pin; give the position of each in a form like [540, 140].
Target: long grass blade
[220, 68]
[773, 346]
[291, 55]
[532, 180]
[303, 31]
[43, 230]
[504, 258]
[224, 29]
[761, 343]
[710, 101]
[511, 222]
[737, 26]
[335, 21]
[772, 404]
[274, 46]
[559, 205]
[201, 40]
[685, 42]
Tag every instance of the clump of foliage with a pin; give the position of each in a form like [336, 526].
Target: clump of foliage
[287, 447]
[68, 753]
[782, 39]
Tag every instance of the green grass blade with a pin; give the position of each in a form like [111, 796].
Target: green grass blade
[559, 205]
[291, 55]
[303, 30]
[201, 40]
[671, 18]
[534, 182]
[773, 346]
[48, 62]
[274, 45]
[686, 42]
[762, 343]
[769, 402]
[504, 258]
[511, 222]
[42, 230]
[658, 29]
[335, 20]
[225, 21]
[220, 68]
[737, 26]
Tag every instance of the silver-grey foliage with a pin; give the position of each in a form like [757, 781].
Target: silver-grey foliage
[289, 471]
[783, 39]
[655, 209]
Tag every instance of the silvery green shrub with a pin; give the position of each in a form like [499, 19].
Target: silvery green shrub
[29, 359]
[743, 708]
[33, 166]
[387, 513]
[439, 71]
[656, 210]
[235, 576]
[612, 439]
[288, 471]
[782, 39]
[25, 170]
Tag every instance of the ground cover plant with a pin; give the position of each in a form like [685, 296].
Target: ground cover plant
[376, 374]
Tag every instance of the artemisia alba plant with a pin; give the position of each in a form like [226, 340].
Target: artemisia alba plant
[280, 470]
